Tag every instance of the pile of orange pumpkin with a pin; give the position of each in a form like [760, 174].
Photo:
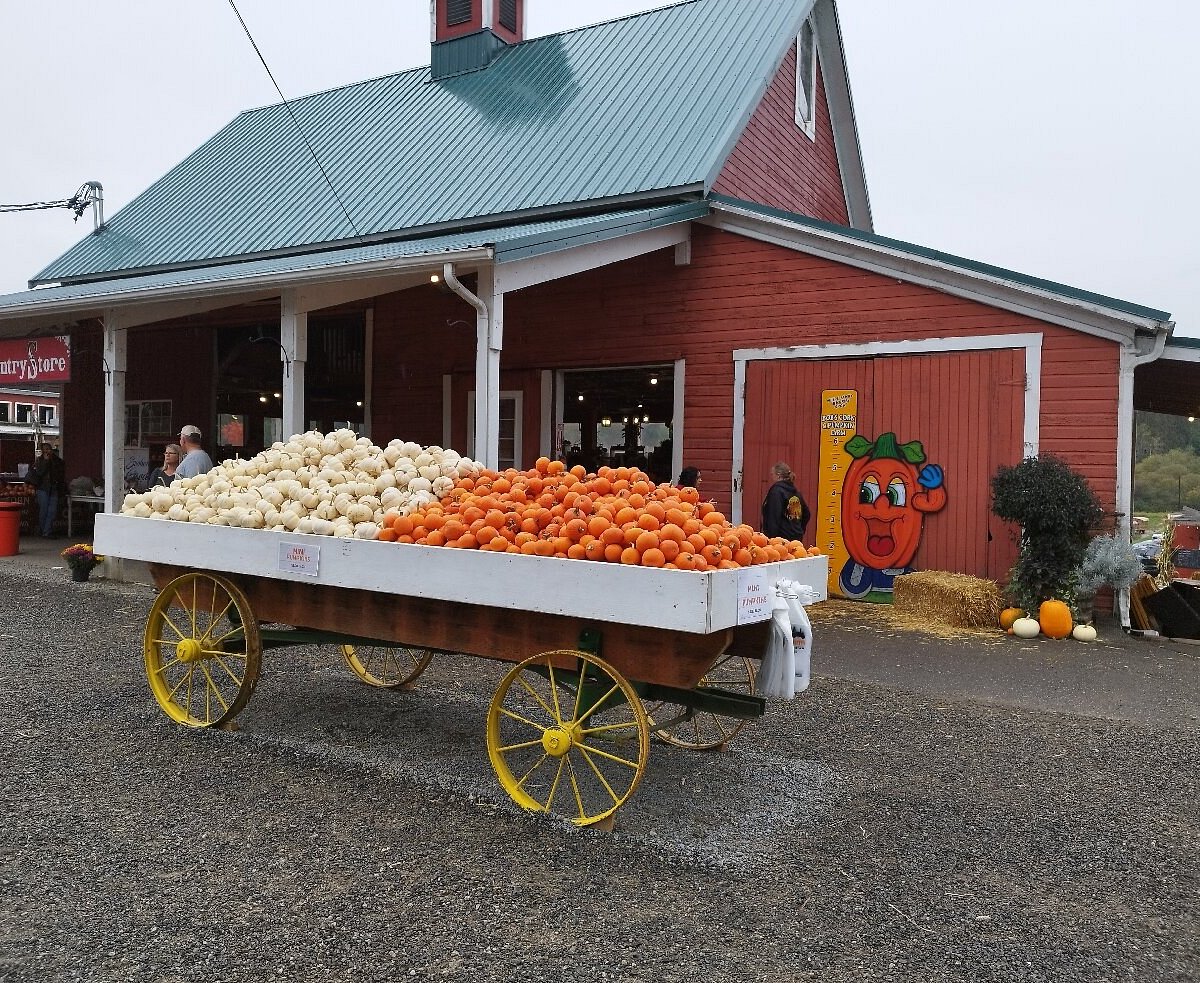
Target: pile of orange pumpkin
[1053, 620]
[616, 515]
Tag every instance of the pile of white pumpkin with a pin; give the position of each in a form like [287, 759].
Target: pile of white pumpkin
[336, 484]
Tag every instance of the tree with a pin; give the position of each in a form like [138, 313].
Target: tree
[1165, 482]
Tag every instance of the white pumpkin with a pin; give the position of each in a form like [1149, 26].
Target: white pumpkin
[1026, 628]
[1084, 633]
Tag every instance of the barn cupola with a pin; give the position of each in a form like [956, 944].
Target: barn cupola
[468, 34]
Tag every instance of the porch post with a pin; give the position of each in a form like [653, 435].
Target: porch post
[489, 333]
[293, 335]
[114, 343]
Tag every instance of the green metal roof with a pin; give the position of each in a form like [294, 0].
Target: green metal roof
[507, 244]
[612, 114]
[1061, 289]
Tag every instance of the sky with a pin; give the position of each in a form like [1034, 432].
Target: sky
[1056, 139]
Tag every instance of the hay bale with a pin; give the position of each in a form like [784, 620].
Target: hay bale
[954, 599]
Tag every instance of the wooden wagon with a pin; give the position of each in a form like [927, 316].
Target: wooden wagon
[604, 654]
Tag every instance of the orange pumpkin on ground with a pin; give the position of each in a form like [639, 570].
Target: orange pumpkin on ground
[1055, 619]
[1008, 616]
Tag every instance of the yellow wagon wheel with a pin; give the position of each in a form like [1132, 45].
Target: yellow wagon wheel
[558, 746]
[386, 666]
[202, 649]
[703, 730]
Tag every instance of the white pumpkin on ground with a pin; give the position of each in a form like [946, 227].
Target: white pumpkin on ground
[1084, 633]
[1026, 628]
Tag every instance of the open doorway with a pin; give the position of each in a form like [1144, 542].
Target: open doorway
[619, 417]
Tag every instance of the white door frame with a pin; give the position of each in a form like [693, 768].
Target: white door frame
[518, 397]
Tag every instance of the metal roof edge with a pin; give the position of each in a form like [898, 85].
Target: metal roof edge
[727, 140]
[1133, 314]
[541, 243]
[142, 291]
[831, 52]
[479, 224]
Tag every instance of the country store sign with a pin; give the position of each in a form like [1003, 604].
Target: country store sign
[31, 361]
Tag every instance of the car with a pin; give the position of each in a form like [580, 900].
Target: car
[1148, 551]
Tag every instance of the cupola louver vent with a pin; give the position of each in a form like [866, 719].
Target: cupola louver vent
[458, 12]
[508, 15]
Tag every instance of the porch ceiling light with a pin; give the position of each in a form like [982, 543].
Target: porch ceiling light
[434, 278]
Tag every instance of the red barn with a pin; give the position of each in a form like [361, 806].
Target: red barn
[643, 242]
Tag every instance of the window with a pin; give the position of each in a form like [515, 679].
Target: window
[806, 80]
[510, 431]
[148, 422]
[46, 416]
[5, 410]
[25, 413]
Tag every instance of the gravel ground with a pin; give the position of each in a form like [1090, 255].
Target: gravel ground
[860, 833]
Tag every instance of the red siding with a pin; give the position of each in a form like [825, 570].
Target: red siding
[774, 161]
[737, 293]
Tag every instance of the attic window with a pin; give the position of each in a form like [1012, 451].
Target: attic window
[806, 81]
[508, 15]
[458, 12]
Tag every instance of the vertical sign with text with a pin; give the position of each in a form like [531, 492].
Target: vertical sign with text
[839, 422]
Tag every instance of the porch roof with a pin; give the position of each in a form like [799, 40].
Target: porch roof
[37, 311]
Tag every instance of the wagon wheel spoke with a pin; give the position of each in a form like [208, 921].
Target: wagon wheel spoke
[599, 780]
[599, 774]
[550, 713]
[588, 749]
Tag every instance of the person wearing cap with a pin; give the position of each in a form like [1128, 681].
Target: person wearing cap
[195, 461]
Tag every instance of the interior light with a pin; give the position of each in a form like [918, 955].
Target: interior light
[262, 399]
[626, 419]
[358, 403]
[654, 380]
[581, 397]
[645, 419]
[639, 406]
[1191, 419]
[434, 278]
[606, 421]
[276, 395]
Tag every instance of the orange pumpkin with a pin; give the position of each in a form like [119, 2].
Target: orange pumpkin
[1008, 616]
[1055, 618]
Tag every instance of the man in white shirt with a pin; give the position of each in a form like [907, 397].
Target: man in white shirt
[195, 461]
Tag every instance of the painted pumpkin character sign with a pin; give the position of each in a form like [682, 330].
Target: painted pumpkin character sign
[884, 502]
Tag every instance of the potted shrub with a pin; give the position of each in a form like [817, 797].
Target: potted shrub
[1055, 508]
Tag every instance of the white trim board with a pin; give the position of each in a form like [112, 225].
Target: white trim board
[1078, 315]
[1031, 343]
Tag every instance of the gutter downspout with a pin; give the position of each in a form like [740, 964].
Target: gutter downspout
[487, 373]
[1130, 360]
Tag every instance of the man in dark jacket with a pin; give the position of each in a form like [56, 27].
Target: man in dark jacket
[785, 513]
[48, 475]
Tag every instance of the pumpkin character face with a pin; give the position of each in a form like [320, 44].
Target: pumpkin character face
[884, 501]
[880, 525]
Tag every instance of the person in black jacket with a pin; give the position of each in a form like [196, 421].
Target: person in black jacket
[48, 475]
[784, 511]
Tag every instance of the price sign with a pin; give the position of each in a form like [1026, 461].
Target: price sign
[754, 596]
[300, 558]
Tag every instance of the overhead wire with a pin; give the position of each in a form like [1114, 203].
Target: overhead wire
[300, 129]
